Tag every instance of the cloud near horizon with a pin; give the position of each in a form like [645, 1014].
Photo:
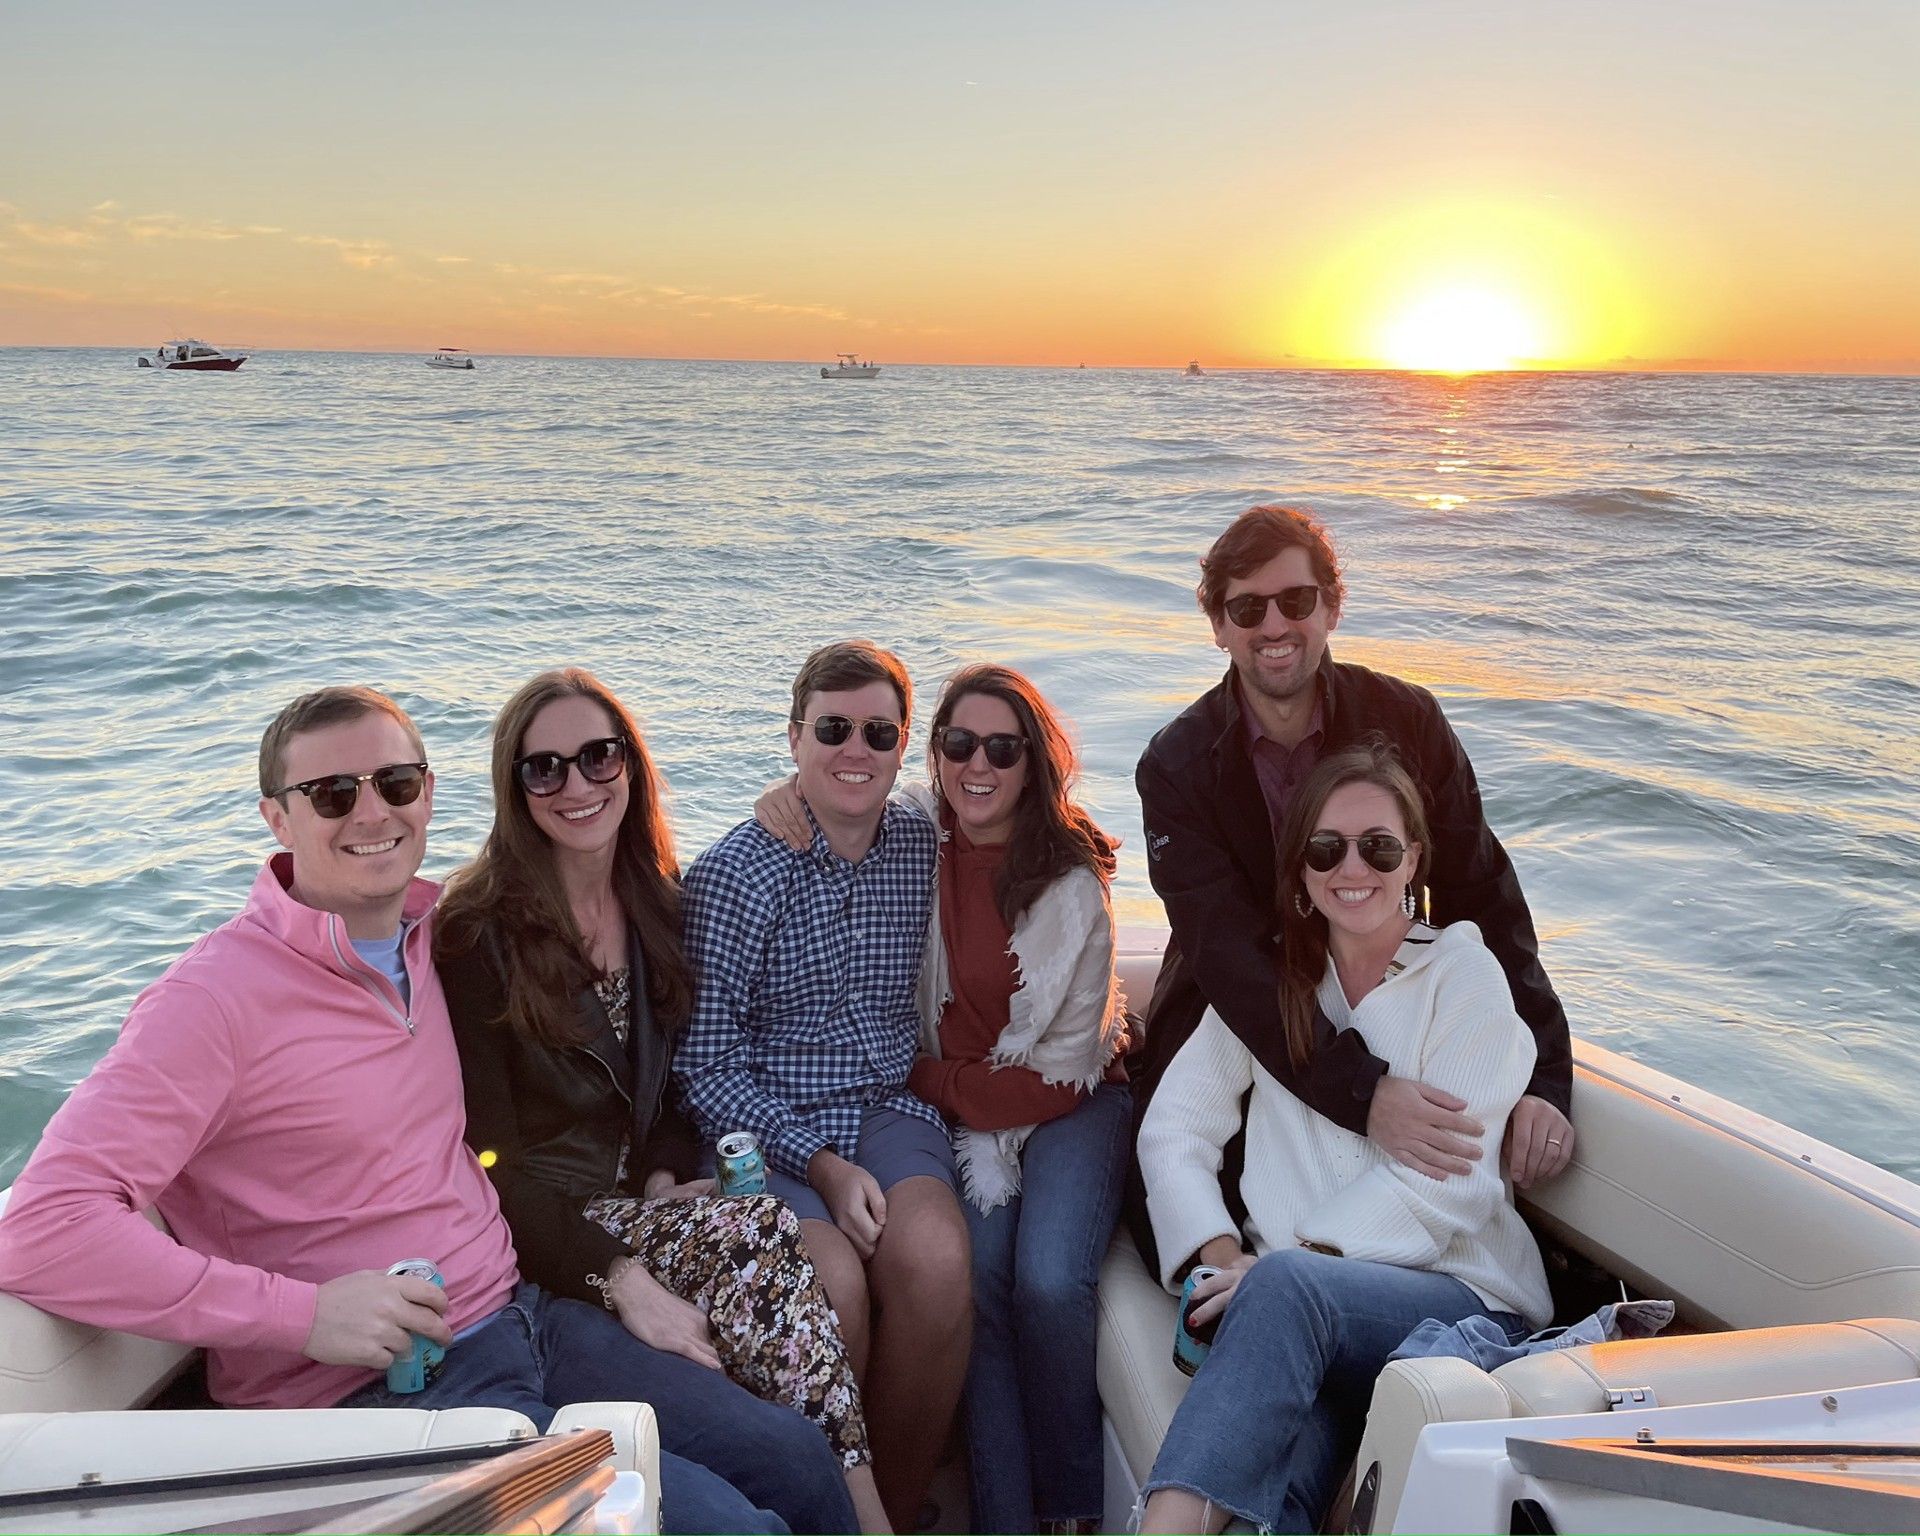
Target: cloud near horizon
[105, 231]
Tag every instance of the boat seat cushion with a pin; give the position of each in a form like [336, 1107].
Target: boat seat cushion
[1688, 1368]
[1140, 1387]
[1715, 1367]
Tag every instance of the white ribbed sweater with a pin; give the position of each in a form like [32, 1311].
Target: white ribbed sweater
[1444, 1015]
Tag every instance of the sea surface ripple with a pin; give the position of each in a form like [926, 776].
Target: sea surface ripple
[1673, 619]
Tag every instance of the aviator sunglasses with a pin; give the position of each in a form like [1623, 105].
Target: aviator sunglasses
[832, 730]
[1379, 850]
[545, 773]
[333, 795]
[958, 744]
[1249, 608]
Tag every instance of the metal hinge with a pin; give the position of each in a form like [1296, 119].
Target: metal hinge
[1620, 1399]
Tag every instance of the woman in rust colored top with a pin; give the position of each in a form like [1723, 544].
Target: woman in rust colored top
[1022, 1025]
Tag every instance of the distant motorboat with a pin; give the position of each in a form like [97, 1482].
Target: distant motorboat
[850, 367]
[193, 357]
[451, 357]
[1193, 371]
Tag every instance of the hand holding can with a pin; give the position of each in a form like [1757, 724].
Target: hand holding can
[1190, 1343]
[409, 1373]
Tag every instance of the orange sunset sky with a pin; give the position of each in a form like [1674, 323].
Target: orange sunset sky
[1707, 185]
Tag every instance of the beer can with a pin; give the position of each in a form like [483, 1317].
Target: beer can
[409, 1373]
[1190, 1345]
[740, 1167]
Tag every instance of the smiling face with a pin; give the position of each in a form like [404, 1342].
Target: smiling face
[357, 865]
[582, 818]
[984, 798]
[1355, 898]
[1278, 657]
[846, 786]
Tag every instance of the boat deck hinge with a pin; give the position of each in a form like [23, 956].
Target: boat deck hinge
[1620, 1399]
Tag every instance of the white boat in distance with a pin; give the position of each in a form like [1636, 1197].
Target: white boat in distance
[850, 367]
[193, 357]
[451, 357]
[1193, 370]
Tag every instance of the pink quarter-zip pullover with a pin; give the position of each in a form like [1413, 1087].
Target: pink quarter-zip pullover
[293, 1122]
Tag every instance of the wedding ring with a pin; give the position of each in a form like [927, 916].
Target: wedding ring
[1553, 1141]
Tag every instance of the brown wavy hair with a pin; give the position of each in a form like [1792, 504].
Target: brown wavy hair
[1255, 537]
[511, 893]
[1051, 834]
[1304, 939]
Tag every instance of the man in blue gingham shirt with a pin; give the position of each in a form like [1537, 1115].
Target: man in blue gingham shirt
[804, 1025]
[807, 967]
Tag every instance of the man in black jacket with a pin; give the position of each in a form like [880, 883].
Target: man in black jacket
[1214, 785]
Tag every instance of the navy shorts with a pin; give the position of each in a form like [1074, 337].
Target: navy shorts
[893, 1146]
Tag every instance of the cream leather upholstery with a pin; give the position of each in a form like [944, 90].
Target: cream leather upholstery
[1139, 1385]
[53, 1450]
[1688, 1368]
[49, 1365]
[1714, 1367]
[1744, 1222]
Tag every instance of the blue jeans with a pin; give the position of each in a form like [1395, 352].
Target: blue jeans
[1276, 1410]
[1032, 1405]
[728, 1461]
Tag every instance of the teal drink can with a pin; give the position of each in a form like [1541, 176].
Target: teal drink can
[409, 1373]
[740, 1166]
[1190, 1344]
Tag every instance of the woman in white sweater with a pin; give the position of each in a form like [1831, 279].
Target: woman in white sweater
[1343, 1251]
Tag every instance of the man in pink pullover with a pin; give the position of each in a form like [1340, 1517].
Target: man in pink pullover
[287, 1096]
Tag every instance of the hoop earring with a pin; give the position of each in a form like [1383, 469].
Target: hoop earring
[1407, 904]
[1302, 905]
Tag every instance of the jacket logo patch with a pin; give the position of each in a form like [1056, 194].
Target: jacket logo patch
[1155, 842]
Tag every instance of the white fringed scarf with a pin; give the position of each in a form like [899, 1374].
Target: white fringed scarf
[1065, 1019]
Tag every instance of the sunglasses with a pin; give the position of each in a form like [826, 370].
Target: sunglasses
[958, 744]
[832, 730]
[333, 795]
[1249, 608]
[545, 773]
[1378, 850]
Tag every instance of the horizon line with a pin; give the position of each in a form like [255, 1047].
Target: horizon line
[1650, 366]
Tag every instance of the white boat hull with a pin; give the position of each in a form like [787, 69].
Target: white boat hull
[849, 373]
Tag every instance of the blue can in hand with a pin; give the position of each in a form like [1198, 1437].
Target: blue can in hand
[410, 1372]
[740, 1166]
[1190, 1343]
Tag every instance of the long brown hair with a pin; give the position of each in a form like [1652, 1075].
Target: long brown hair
[512, 889]
[1304, 937]
[1051, 833]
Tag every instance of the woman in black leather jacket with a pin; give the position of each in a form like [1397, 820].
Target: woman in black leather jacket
[559, 949]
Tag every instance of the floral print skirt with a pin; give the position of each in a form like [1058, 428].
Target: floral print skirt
[741, 1260]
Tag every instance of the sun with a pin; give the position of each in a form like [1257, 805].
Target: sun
[1461, 329]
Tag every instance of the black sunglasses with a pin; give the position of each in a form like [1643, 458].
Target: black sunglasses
[958, 744]
[1249, 608]
[333, 795]
[545, 773]
[832, 730]
[1379, 850]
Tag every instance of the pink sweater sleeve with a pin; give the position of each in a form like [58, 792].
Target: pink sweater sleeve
[73, 1240]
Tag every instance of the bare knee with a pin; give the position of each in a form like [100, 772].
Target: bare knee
[923, 1260]
[844, 1278]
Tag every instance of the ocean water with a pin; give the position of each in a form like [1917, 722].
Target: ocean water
[1672, 618]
